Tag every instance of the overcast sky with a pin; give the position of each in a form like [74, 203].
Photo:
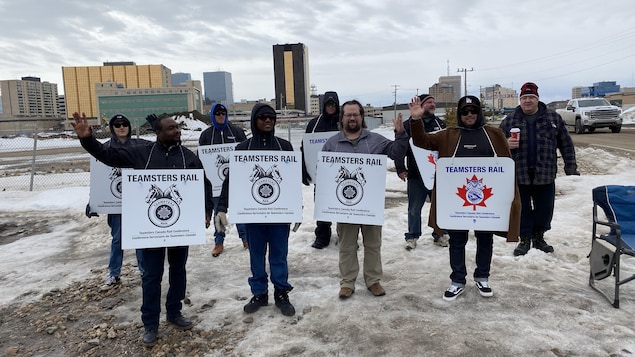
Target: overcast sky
[360, 49]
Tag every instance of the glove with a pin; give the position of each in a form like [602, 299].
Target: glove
[151, 119]
[296, 226]
[221, 222]
[89, 212]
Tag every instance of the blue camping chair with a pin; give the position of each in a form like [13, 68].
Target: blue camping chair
[618, 204]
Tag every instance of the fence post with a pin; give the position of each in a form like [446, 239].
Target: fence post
[34, 155]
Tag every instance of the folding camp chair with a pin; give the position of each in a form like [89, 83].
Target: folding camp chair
[618, 204]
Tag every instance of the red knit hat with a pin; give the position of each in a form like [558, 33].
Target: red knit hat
[529, 88]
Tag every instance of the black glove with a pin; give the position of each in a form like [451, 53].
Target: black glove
[89, 212]
[151, 119]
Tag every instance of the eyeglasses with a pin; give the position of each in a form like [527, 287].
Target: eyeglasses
[119, 125]
[331, 104]
[354, 115]
[266, 117]
[220, 113]
[466, 111]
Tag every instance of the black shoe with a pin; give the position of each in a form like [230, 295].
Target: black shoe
[182, 323]
[150, 338]
[539, 243]
[256, 302]
[320, 244]
[523, 247]
[282, 302]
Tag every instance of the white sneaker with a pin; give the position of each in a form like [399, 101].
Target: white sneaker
[411, 244]
[484, 289]
[453, 292]
[110, 282]
[442, 241]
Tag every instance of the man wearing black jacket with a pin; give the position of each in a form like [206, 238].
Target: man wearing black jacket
[327, 121]
[166, 153]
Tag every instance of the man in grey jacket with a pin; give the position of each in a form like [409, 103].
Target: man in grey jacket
[355, 138]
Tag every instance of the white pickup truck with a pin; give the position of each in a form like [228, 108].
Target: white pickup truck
[591, 113]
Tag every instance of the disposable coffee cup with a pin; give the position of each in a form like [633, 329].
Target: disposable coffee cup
[515, 133]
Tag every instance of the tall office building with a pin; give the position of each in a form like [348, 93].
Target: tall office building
[218, 87]
[79, 82]
[29, 98]
[455, 82]
[291, 76]
[180, 78]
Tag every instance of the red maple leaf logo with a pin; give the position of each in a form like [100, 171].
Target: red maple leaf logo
[432, 160]
[474, 193]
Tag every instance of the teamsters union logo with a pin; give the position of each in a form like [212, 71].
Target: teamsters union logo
[115, 182]
[164, 208]
[266, 187]
[222, 166]
[474, 193]
[350, 186]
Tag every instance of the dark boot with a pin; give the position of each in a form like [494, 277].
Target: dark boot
[282, 302]
[539, 243]
[523, 247]
[322, 235]
[256, 302]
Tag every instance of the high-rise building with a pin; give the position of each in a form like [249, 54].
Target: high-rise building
[79, 82]
[180, 78]
[218, 87]
[455, 82]
[291, 76]
[29, 98]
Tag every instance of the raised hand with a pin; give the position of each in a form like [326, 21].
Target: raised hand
[416, 110]
[398, 123]
[81, 127]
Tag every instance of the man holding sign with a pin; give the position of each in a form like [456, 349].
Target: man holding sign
[355, 138]
[472, 139]
[166, 153]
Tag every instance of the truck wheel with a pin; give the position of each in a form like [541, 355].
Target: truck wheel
[616, 129]
[579, 128]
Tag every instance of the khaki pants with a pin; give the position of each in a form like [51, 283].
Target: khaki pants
[349, 266]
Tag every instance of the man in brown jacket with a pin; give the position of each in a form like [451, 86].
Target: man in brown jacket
[470, 138]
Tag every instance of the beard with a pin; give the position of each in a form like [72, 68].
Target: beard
[352, 127]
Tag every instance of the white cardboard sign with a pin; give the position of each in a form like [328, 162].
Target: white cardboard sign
[215, 159]
[312, 143]
[426, 162]
[105, 188]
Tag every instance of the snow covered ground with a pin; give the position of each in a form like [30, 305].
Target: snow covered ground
[542, 305]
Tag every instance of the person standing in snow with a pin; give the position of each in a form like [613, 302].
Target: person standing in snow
[222, 132]
[263, 237]
[542, 132]
[166, 153]
[416, 190]
[470, 138]
[355, 138]
[327, 121]
[120, 137]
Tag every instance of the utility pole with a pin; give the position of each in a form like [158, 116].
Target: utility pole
[465, 70]
[395, 86]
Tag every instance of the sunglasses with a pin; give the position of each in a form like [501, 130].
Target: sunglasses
[220, 113]
[331, 104]
[119, 125]
[266, 117]
[466, 111]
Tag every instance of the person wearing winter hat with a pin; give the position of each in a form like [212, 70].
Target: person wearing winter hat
[470, 138]
[542, 131]
[416, 190]
[263, 237]
[222, 132]
[120, 137]
[327, 121]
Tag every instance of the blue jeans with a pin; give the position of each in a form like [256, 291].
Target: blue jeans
[537, 208]
[484, 248]
[417, 193]
[276, 237]
[153, 260]
[116, 253]
[219, 237]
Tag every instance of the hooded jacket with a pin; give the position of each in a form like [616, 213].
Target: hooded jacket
[430, 124]
[221, 133]
[322, 123]
[449, 142]
[259, 141]
[114, 140]
[551, 135]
